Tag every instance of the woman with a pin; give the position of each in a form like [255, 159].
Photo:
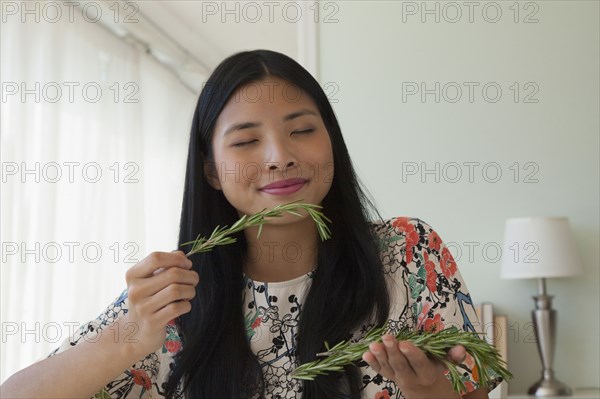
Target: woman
[241, 317]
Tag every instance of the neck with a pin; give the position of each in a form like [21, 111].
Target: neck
[282, 252]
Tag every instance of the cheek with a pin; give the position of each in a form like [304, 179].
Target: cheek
[235, 171]
[250, 172]
[328, 172]
[230, 171]
[326, 161]
[322, 165]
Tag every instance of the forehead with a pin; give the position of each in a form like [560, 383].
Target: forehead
[273, 95]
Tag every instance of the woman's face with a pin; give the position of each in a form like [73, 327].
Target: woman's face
[268, 132]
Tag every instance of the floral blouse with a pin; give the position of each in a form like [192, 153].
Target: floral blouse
[426, 291]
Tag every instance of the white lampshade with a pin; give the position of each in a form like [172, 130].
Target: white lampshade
[536, 247]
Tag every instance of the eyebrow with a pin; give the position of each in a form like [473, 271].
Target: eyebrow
[250, 125]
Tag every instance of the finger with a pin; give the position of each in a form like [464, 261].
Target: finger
[171, 311]
[175, 275]
[457, 354]
[378, 350]
[165, 260]
[399, 365]
[371, 361]
[425, 368]
[157, 260]
[189, 261]
[170, 294]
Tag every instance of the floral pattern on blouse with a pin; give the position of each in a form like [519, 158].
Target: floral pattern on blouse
[426, 291]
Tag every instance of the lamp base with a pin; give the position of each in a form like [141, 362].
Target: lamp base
[549, 386]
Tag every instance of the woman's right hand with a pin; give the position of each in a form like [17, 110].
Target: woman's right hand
[160, 288]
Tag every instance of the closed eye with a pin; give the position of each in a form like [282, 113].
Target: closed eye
[243, 143]
[303, 131]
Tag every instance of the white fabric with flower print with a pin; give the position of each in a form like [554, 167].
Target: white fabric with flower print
[425, 286]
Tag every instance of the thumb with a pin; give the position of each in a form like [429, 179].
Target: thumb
[457, 354]
[182, 253]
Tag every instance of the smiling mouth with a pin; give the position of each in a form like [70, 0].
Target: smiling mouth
[284, 189]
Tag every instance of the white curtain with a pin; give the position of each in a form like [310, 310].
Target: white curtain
[126, 148]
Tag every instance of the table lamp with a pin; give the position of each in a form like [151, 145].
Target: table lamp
[541, 247]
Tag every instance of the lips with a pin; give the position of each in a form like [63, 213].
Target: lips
[284, 183]
[284, 187]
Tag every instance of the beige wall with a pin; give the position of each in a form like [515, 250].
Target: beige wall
[376, 51]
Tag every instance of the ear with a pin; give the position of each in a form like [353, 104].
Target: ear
[212, 176]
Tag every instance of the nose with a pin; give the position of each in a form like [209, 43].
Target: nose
[279, 156]
[272, 166]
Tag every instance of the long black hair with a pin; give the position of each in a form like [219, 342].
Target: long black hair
[347, 288]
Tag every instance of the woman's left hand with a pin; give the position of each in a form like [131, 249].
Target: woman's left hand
[409, 367]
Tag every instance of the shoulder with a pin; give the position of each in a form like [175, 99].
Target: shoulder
[406, 231]
[401, 224]
[409, 244]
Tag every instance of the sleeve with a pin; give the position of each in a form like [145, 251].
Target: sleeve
[439, 297]
[143, 379]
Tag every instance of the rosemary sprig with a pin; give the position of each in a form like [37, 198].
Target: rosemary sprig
[434, 344]
[220, 235]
